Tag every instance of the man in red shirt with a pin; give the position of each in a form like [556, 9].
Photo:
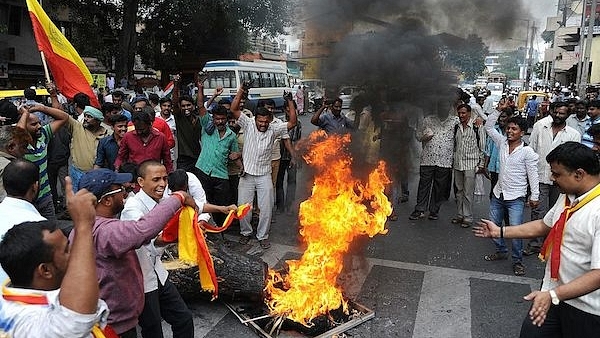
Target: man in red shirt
[144, 143]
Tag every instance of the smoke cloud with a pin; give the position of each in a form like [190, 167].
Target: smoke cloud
[394, 50]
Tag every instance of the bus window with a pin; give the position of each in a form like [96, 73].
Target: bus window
[225, 79]
[281, 80]
[250, 76]
[267, 80]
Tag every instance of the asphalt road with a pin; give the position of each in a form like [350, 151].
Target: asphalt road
[423, 279]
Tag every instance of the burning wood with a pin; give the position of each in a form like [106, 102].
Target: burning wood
[340, 209]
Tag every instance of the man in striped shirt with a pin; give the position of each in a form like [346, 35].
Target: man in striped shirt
[259, 140]
[469, 158]
[37, 150]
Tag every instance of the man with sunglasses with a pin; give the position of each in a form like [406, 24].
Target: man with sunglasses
[333, 121]
[119, 272]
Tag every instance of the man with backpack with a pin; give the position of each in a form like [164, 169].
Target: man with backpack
[469, 158]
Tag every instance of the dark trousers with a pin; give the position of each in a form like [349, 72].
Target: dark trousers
[434, 188]
[57, 172]
[217, 192]
[188, 164]
[563, 321]
[132, 333]
[283, 200]
[234, 181]
[166, 302]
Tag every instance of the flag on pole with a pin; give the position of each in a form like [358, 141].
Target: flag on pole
[168, 92]
[70, 73]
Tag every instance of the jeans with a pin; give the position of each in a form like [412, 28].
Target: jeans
[75, 174]
[548, 196]
[166, 302]
[263, 186]
[498, 209]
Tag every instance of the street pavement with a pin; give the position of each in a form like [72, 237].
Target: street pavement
[423, 279]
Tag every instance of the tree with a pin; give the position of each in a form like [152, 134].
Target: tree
[181, 31]
[91, 27]
[468, 58]
[174, 30]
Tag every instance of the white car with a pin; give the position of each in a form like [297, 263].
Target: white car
[348, 93]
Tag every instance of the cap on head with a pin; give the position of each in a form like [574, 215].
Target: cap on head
[93, 112]
[98, 181]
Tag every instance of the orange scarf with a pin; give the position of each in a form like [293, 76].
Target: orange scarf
[35, 298]
[555, 237]
[192, 247]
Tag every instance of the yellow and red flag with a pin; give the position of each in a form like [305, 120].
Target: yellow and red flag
[70, 73]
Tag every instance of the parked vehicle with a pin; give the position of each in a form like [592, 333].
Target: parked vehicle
[269, 80]
[525, 96]
[347, 93]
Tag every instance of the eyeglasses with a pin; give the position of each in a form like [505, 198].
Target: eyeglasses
[112, 192]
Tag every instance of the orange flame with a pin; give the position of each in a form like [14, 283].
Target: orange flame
[340, 209]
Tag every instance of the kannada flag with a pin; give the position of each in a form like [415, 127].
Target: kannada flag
[68, 69]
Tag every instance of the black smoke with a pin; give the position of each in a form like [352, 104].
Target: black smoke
[395, 51]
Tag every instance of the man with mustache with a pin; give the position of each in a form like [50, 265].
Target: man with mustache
[37, 150]
[568, 304]
[548, 133]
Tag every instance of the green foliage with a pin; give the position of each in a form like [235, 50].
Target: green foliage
[92, 26]
[510, 63]
[174, 30]
[469, 58]
[183, 30]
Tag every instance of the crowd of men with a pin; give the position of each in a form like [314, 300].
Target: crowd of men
[125, 170]
[132, 165]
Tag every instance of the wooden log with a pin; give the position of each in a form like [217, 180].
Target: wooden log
[240, 276]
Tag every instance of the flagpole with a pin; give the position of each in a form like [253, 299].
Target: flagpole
[45, 66]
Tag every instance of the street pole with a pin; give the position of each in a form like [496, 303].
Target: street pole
[581, 40]
[530, 60]
[588, 47]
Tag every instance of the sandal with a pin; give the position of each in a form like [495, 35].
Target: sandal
[244, 240]
[456, 220]
[393, 217]
[518, 269]
[496, 256]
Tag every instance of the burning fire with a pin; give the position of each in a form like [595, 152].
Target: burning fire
[340, 209]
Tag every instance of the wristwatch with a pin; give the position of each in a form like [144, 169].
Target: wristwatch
[554, 297]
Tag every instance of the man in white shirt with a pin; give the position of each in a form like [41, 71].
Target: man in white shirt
[568, 304]
[259, 140]
[518, 167]
[547, 134]
[162, 300]
[21, 181]
[53, 289]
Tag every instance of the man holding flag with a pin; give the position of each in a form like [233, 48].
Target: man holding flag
[70, 73]
[568, 304]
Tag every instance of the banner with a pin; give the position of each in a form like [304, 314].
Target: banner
[70, 73]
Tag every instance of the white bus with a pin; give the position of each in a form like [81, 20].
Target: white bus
[270, 80]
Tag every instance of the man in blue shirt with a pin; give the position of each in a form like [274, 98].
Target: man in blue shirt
[532, 110]
[332, 121]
